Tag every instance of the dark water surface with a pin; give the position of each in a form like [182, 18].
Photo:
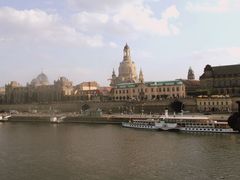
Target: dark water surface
[77, 151]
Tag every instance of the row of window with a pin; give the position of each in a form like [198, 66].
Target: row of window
[214, 103]
[167, 89]
[233, 82]
[200, 129]
[153, 97]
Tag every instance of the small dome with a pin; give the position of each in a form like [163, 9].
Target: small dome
[41, 79]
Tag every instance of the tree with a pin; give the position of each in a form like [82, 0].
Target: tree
[85, 107]
[234, 121]
[177, 106]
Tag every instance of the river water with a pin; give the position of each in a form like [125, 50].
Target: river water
[80, 151]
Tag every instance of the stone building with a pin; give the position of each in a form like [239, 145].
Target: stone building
[84, 86]
[127, 70]
[149, 90]
[2, 94]
[39, 91]
[91, 91]
[221, 80]
[214, 103]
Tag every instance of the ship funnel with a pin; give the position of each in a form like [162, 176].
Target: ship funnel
[166, 112]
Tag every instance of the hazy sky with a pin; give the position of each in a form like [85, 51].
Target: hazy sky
[83, 39]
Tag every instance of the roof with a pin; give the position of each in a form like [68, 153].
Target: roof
[163, 83]
[90, 83]
[191, 82]
[126, 85]
[229, 69]
[150, 84]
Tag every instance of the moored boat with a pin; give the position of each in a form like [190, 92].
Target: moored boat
[56, 119]
[4, 118]
[210, 127]
[196, 124]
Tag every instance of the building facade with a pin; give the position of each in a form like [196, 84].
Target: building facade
[221, 80]
[38, 91]
[149, 90]
[215, 103]
[2, 95]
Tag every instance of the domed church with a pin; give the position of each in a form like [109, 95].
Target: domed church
[127, 70]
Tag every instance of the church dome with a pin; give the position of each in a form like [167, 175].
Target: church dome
[41, 79]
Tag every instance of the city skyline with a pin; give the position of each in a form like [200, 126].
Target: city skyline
[80, 39]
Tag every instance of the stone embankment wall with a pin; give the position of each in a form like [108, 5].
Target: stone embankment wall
[110, 106]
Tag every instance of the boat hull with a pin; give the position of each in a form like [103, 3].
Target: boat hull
[207, 130]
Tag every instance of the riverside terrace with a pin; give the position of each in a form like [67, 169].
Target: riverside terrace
[103, 119]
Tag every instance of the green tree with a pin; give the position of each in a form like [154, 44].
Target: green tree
[177, 106]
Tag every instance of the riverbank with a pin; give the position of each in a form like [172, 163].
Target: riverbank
[104, 119]
[70, 118]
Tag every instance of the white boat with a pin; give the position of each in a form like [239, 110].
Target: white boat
[141, 124]
[4, 118]
[212, 127]
[55, 119]
[195, 124]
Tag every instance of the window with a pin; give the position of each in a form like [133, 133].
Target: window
[177, 88]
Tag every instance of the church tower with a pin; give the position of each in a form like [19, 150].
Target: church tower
[141, 78]
[126, 53]
[191, 75]
[113, 79]
[127, 69]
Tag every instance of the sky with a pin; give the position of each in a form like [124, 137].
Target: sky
[83, 40]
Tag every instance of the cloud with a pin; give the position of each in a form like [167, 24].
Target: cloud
[37, 26]
[132, 18]
[220, 6]
[99, 6]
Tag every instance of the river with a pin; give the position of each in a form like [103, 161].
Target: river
[87, 151]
